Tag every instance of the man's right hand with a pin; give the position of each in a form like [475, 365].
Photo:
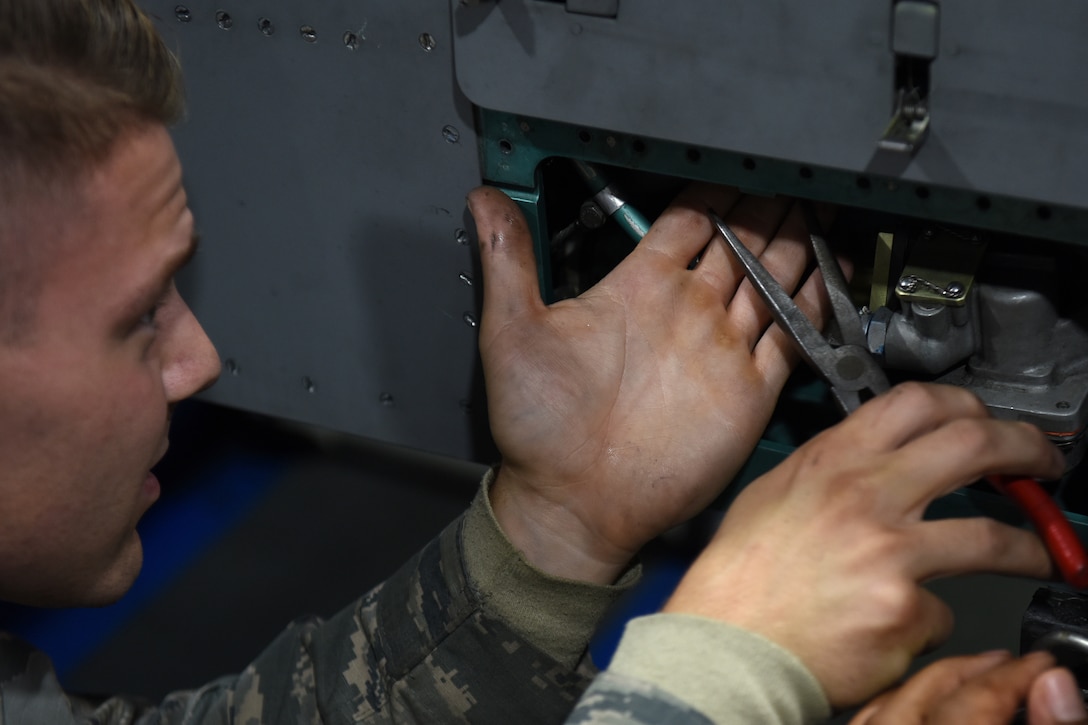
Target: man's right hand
[825, 554]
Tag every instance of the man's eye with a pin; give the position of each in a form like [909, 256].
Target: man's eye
[148, 318]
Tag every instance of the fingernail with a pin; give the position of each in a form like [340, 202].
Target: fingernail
[1063, 697]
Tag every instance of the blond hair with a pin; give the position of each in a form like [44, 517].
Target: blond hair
[75, 76]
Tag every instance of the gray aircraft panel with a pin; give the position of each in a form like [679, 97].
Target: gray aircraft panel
[328, 184]
[801, 81]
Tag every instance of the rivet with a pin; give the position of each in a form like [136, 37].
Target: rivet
[182, 13]
[462, 237]
[223, 18]
[470, 319]
[351, 40]
[308, 385]
[451, 134]
[466, 278]
[308, 33]
[265, 26]
[427, 42]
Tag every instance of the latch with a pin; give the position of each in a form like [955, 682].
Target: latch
[914, 41]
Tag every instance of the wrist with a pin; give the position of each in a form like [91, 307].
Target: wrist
[550, 535]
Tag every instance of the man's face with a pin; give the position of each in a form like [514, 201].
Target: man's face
[85, 399]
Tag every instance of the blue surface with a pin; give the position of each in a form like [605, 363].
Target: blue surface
[181, 526]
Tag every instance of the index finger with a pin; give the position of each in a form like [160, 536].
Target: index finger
[985, 688]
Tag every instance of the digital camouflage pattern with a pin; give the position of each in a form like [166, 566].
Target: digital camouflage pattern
[613, 699]
[417, 649]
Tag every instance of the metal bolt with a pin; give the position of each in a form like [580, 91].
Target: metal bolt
[427, 42]
[386, 399]
[591, 215]
[182, 13]
[954, 289]
[232, 366]
[470, 319]
[908, 284]
[308, 384]
[466, 278]
[462, 236]
[451, 134]
[265, 26]
[351, 40]
[308, 33]
[226, 22]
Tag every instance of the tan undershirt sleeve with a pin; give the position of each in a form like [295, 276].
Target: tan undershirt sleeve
[729, 674]
[556, 615]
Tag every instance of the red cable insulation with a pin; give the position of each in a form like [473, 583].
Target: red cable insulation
[1050, 523]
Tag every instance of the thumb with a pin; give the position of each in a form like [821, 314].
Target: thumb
[511, 285]
[1056, 699]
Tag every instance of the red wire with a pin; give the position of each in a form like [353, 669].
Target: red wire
[1050, 523]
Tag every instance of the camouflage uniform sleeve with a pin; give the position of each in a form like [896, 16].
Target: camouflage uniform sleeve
[672, 668]
[465, 632]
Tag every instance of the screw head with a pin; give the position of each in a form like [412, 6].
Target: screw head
[470, 319]
[182, 13]
[954, 289]
[224, 20]
[451, 134]
[427, 42]
[908, 284]
[265, 26]
[308, 33]
[462, 237]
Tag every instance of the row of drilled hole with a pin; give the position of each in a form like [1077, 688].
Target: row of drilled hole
[693, 155]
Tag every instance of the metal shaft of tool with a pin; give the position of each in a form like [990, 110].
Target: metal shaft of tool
[785, 311]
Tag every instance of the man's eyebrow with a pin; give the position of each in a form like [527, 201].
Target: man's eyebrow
[156, 287]
[190, 252]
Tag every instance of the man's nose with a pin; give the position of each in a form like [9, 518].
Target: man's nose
[190, 363]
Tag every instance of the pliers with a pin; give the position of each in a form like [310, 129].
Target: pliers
[854, 376]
